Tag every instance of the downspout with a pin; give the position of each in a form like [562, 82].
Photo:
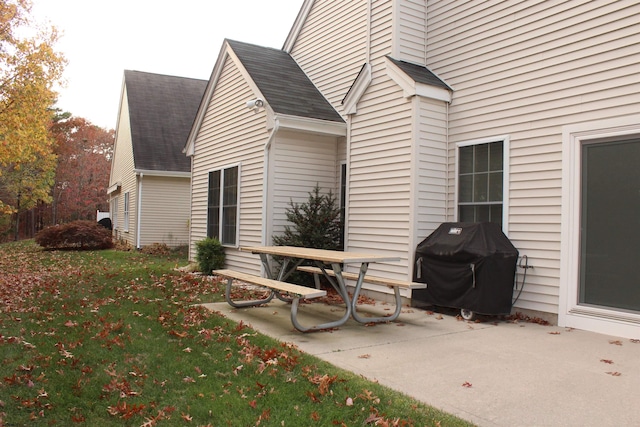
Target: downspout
[347, 185]
[446, 166]
[266, 228]
[139, 211]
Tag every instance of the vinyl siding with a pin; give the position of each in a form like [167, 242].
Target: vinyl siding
[300, 162]
[526, 69]
[380, 153]
[331, 48]
[432, 171]
[411, 31]
[230, 135]
[165, 212]
[122, 171]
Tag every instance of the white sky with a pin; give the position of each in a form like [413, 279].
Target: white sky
[101, 39]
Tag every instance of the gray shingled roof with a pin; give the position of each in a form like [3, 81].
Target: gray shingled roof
[285, 86]
[161, 110]
[420, 73]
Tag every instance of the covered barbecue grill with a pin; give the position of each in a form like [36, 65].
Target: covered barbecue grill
[470, 266]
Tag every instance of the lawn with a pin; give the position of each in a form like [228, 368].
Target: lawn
[113, 338]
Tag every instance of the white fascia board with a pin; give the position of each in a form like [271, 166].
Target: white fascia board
[305, 124]
[225, 52]
[358, 88]
[433, 92]
[166, 174]
[189, 148]
[412, 88]
[297, 26]
[115, 187]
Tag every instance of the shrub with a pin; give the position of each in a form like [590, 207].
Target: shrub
[81, 235]
[210, 255]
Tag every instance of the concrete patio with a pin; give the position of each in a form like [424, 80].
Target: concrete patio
[494, 373]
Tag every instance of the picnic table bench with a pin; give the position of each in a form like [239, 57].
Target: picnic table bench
[277, 289]
[391, 283]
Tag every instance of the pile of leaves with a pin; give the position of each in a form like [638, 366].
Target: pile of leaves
[115, 338]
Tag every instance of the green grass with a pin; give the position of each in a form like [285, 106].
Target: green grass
[109, 338]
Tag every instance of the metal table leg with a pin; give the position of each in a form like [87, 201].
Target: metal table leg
[227, 295]
[356, 294]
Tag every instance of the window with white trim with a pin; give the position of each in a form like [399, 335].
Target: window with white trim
[114, 212]
[126, 212]
[480, 182]
[222, 205]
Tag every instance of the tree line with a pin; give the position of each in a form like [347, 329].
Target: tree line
[54, 167]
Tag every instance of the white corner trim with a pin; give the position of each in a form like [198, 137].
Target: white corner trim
[359, 86]
[412, 88]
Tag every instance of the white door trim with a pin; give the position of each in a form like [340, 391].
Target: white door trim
[571, 313]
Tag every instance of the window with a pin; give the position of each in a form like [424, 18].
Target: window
[126, 212]
[114, 212]
[222, 206]
[480, 182]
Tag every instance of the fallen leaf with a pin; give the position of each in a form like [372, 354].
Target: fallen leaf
[615, 342]
[554, 333]
[364, 356]
[606, 361]
[614, 374]
[467, 384]
[187, 417]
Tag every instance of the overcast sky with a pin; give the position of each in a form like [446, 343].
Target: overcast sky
[101, 39]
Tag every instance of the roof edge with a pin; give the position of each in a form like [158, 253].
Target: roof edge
[297, 26]
[357, 89]
[411, 87]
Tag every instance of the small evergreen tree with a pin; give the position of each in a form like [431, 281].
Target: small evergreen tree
[316, 223]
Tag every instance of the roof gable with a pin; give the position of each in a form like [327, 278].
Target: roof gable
[420, 73]
[161, 112]
[417, 80]
[285, 87]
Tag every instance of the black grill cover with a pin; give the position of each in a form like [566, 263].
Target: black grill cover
[468, 266]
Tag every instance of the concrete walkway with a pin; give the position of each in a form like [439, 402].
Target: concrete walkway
[492, 374]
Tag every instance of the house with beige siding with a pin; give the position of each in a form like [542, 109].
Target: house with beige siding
[150, 178]
[520, 113]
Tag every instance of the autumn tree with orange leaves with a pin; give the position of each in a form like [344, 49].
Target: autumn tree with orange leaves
[84, 155]
[29, 69]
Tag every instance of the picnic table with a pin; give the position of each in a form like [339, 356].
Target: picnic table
[292, 257]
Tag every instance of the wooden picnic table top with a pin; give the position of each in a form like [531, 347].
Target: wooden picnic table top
[324, 255]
